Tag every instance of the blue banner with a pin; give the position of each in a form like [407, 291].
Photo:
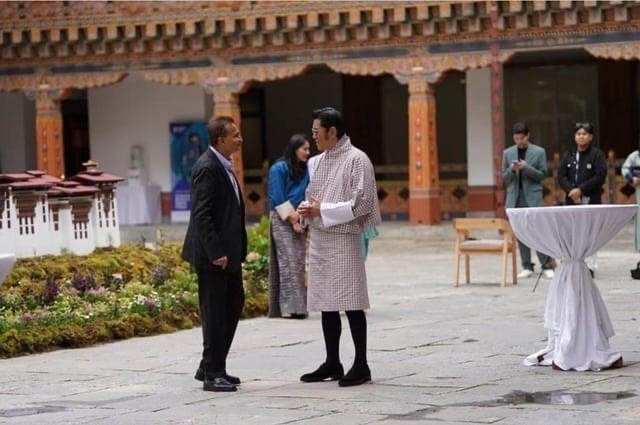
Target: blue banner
[189, 140]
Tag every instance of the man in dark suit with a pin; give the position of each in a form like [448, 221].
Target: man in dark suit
[216, 246]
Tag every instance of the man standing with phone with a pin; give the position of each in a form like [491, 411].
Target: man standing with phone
[524, 166]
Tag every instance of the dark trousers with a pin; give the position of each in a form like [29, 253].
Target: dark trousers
[221, 297]
[525, 251]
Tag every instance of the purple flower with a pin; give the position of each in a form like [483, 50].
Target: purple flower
[26, 317]
[51, 290]
[83, 281]
[159, 276]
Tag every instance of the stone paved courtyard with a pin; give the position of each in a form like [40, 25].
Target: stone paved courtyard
[438, 354]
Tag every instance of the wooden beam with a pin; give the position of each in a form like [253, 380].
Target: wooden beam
[92, 33]
[399, 14]
[55, 35]
[445, 10]
[16, 37]
[190, 28]
[72, 33]
[229, 26]
[539, 5]
[377, 15]
[250, 24]
[271, 23]
[292, 21]
[35, 35]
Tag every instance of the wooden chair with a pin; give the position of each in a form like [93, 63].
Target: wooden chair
[467, 245]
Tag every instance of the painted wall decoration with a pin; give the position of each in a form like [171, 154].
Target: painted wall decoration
[188, 141]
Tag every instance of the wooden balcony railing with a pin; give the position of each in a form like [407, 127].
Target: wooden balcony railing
[393, 188]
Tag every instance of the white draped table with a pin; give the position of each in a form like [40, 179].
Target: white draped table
[575, 317]
[139, 204]
[6, 264]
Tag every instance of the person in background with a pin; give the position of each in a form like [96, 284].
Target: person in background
[631, 173]
[524, 166]
[288, 180]
[582, 173]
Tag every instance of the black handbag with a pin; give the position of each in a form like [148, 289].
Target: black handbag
[635, 273]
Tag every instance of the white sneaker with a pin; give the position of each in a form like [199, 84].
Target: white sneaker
[548, 273]
[525, 274]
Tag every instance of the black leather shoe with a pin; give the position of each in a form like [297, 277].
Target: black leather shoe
[199, 375]
[233, 379]
[219, 384]
[358, 375]
[325, 372]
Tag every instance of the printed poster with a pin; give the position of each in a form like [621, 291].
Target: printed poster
[189, 140]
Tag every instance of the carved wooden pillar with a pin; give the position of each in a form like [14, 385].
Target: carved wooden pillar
[497, 113]
[424, 182]
[226, 102]
[49, 143]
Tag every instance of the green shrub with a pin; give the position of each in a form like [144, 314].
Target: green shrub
[65, 301]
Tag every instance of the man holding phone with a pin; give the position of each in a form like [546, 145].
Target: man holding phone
[524, 166]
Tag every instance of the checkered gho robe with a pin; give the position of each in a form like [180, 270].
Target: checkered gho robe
[337, 278]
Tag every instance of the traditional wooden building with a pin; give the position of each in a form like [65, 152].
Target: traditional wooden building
[428, 89]
[41, 214]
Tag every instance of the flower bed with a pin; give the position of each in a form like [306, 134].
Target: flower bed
[74, 301]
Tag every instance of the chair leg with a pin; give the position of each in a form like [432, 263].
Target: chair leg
[504, 269]
[467, 262]
[513, 267]
[457, 270]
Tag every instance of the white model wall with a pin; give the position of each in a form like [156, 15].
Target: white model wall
[17, 140]
[138, 112]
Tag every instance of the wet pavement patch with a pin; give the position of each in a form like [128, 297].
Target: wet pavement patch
[30, 411]
[561, 397]
[515, 398]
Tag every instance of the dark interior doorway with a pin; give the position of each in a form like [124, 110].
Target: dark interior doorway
[75, 124]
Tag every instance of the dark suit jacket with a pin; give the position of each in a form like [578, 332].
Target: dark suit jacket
[592, 172]
[216, 227]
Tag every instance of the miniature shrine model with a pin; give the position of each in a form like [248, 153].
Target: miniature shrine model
[41, 214]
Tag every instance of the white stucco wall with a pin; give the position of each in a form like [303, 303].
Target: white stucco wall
[479, 137]
[17, 141]
[138, 112]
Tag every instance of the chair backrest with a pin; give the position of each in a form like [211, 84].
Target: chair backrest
[499, 224]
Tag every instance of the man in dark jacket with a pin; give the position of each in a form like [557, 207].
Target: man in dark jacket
[583, 170]
[582, 173]
[216, 246]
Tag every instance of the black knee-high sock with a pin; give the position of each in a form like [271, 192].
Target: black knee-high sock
[358, 325]
[331, 329]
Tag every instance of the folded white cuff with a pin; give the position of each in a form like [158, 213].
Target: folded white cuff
[284, 210]
[336, 213]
